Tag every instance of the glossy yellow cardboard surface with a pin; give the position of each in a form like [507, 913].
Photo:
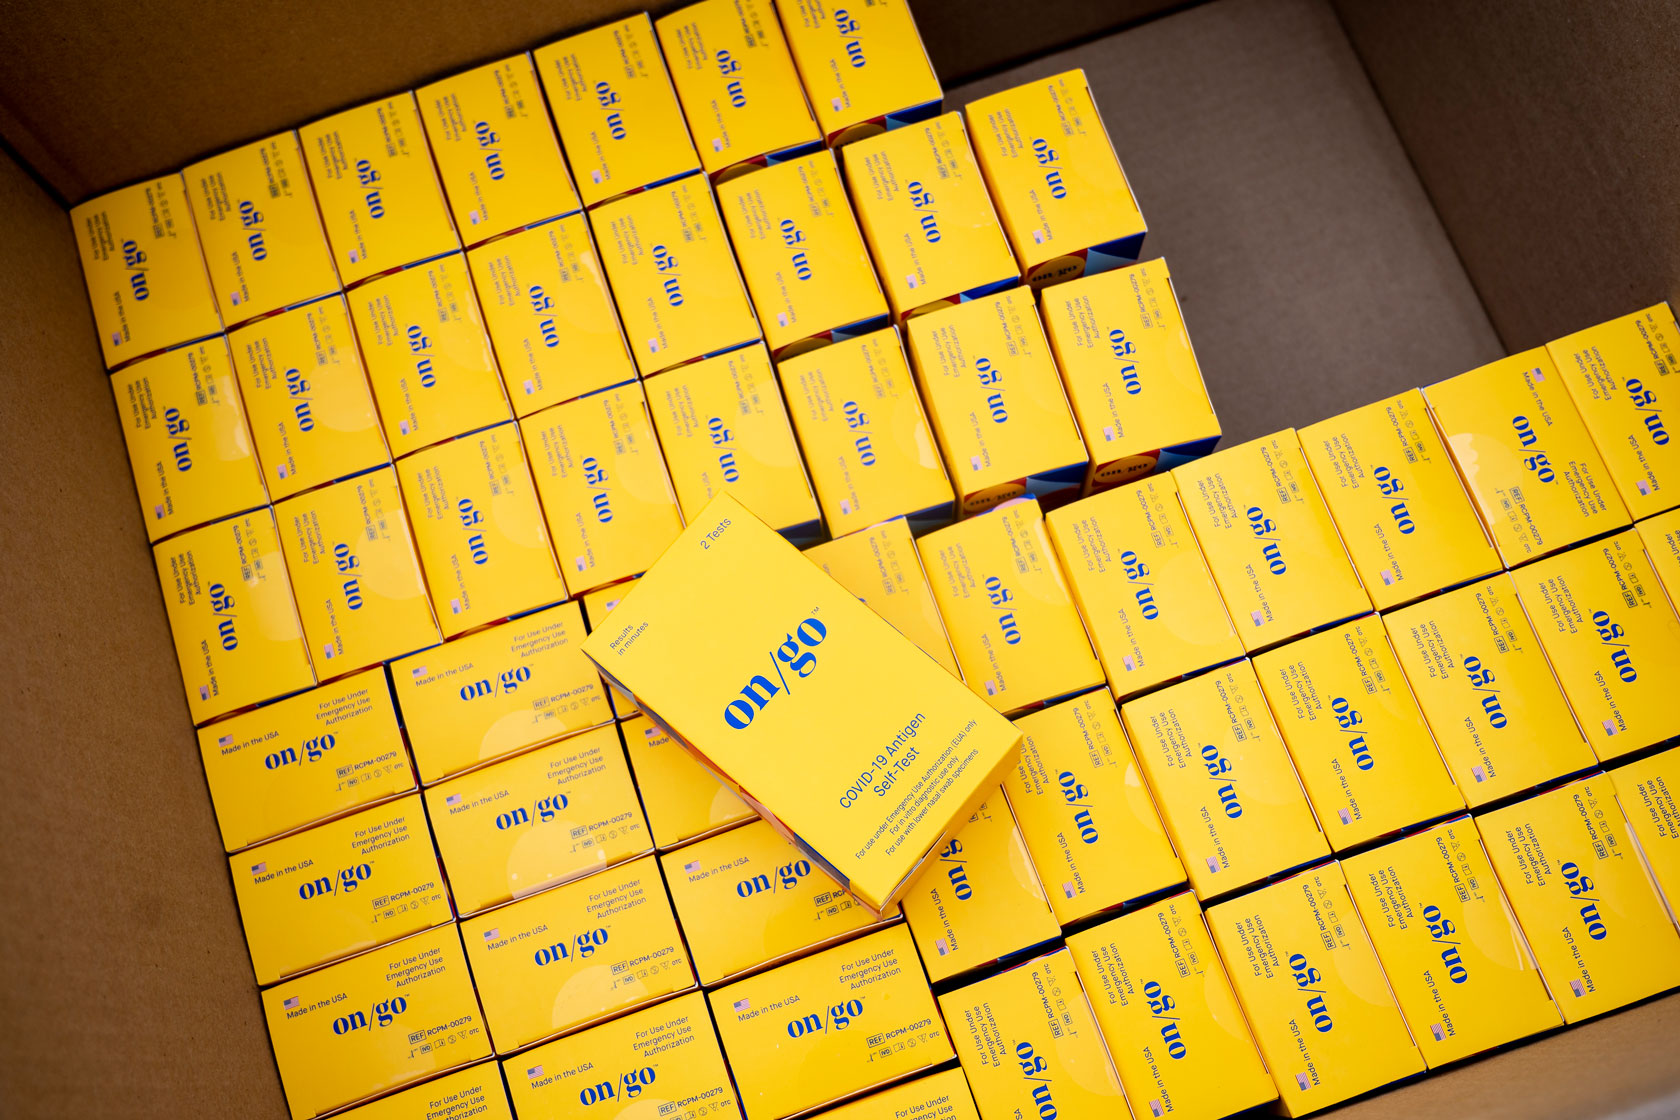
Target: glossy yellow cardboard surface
[549, 314]
[1168, 1014]
[355, 573]
[1355, 734]
[231, 612]
[188, 444]
[1615, 374]
[882, 567]
[479, 530]
[828, 1026]
[1089, 822]
[498, 691]
[361, 1027]
[938, 1096]
[926, 216]
[1143, 590]
[378, 190]
[661, 1061]
[618, 117]
[579, 953]
[748, 898]
[867, 442]
[1454, 957]
[495, 150]
[597, 604]
[1313, 990]
[681, 798]
[1222, 778]
[1591, 913]
[1525, 456]
[1060, 191]
[476, 1092]
[261, 231]
[145, 275]
[871, 795]
[864, 69]
[801, 254]
[1613, 638]
[996, 401]
[722, 426]
[1647, 791]
[427, 354]
[304, 759]
[673, 275]
[1397, 500]
[1482, 680]
[1013, 625]
[1029, 1043]
[736, 83]
[339, 888]
[539, 819]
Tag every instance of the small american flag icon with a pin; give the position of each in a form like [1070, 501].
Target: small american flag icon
[452, 799]
[290, 1003]
[974, 462]
[1435, 1029]
[717, 145]
[454, 606]
[1128, 662]
[1067, 890]
[1303, 1081]
[845, 506]
[530, 386]
[1578, 988]
[157, 511]
[1108, 434]
[653, 345]
[116, 339]
[781, 318]
[1038, 237]
[1644, 487]
[419, 670]
[595, 176]
[837, 103]
[1257, 617]
[1388, 577]
[741, 1005]
[354, 256]
[991, 688]
[691, 867]
[1539, 374]
[280, 469]
[1479, 773]
[225, 741]
[472, 216]
[580, 564]
[939, 943]
[1155, 1108]
[490, 934]
[1609, 727]
[402, 426]
[328, 650]
[1347, 817]
[910, 279]
[234, 298]
[1213, 865]
[204, 692]
[534, 1071]
[259, 868]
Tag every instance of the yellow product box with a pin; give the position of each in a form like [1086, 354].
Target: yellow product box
[188, 445]
[310, 406]
[831, 1026]
[428, 356]
[980, 901]
[1168, 1014]
[1525, 456]
[374, 1023]
[335, 890]
[549, 314]
[1313, 990]
[260, 228]
[498, 691]
[475, 1093]
[1454, 957]
[683, 801]
[379, 192]
[1646, 791]
[536, 820]
[355, 574]
[231, 611]
[495, 150]
[597, 604]
[1014, 627]
[1613, 638]
[603, 485]
[867, 442]
[1661, 536]
[1029, 1043]
[882, 567]
[1355, 733]
[1615, 373]
[619, 121]
[997, 403]
[575, 955]
[479, 530]
[1397, 500]
[1269, 541]
[802, 255]
[673, 275]
[1583, 897]
[748, 899]
[1142, 587]
[1059, 187]
[1130, 372]
[660, 1061]
[1227, 792]
[875, 789]
[1484, 684]
[290, 764]
[144, 271]
[1089, 823]
[938, 1096]
[864, 68]
[927, 218]
[737, 85]
[722, 426]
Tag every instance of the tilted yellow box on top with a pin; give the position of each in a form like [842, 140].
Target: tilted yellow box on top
[1647, 792]
[683, 800]
[882, 567]
[475, 1092]
[864, 68]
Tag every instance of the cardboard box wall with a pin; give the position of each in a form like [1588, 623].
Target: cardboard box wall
[1316, 275]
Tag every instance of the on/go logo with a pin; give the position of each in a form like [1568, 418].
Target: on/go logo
[1535, 460]
[134, 259]
[1046, 156]
[1611, 634]
[858, 421]
[475, 541]
[177, 425]
[1218, 766]
[381, 1014]
[666, 261]
[1159, 1004]
[1481, 681]
[1349, 720]
[721, 438]
[1000, 597]
[1441, 930]
[796, 652]
[630, 1085]
[368, 175]
[490, 142]
[1306, 977]
[608, 97]
[837, 1017]
[922, 199]
[221, 606]
[1579, 887]
[1266, 529]
[786, 878]
[1036, 1071]
[848, 29]
[252, 219]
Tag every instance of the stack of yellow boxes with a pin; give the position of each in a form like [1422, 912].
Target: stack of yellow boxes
[1308, 793]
